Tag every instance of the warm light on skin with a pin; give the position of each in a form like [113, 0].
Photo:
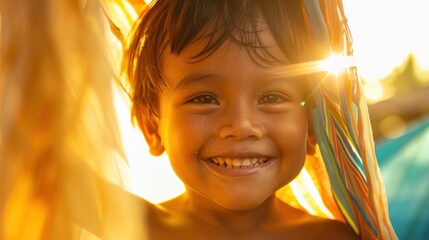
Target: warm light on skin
[152, 177]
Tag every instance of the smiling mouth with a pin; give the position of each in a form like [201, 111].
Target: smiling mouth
[230, 162]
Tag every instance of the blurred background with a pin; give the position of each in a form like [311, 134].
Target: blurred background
[392, 54]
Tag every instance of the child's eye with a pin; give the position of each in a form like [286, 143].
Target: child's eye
[272, 98]
[204, 99]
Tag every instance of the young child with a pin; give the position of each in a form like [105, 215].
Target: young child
[266, 144]
[219, 86]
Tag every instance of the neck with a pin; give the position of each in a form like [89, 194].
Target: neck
[232, 220]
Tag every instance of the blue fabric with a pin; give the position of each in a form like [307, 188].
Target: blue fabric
[404, 164]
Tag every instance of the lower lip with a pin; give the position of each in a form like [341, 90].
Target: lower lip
[237, 172]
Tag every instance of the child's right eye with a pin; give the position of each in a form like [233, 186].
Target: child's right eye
[204, 99]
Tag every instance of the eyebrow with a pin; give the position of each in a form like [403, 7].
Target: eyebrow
[195, 77]
[277, 78]
[280, 74]
[288, 72]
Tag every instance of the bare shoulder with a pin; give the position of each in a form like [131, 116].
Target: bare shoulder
[160, 215]
[329, 229]
[168, 221]
[298, 224]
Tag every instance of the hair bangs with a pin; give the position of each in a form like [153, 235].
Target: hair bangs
[216, 22]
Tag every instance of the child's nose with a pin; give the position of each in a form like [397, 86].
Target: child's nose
[240, 122]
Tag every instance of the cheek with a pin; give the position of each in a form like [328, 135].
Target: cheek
[184, 136]
[290, 128]
[182, 132]
[291, 137]
[192, 126]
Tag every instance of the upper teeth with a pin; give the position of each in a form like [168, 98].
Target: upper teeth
[238, 162]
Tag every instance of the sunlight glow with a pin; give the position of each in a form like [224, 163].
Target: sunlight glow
[304, 190]
[337, 63]
[151, 178]
[374, 91]
[383, 39]
[333, 64]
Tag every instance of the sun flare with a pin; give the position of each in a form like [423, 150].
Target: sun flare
[337, 63]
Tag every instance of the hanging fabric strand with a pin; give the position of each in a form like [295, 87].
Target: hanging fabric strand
[343, 131]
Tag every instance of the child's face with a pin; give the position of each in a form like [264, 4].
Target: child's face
[227, 108]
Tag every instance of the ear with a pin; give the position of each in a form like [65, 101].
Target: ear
[311, 139]
[149, 127]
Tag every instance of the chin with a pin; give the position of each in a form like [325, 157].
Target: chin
[241, 203]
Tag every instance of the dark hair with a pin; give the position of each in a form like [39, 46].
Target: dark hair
[174, 24]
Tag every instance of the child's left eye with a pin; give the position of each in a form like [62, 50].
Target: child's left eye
[204, 99]
[272, 98]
